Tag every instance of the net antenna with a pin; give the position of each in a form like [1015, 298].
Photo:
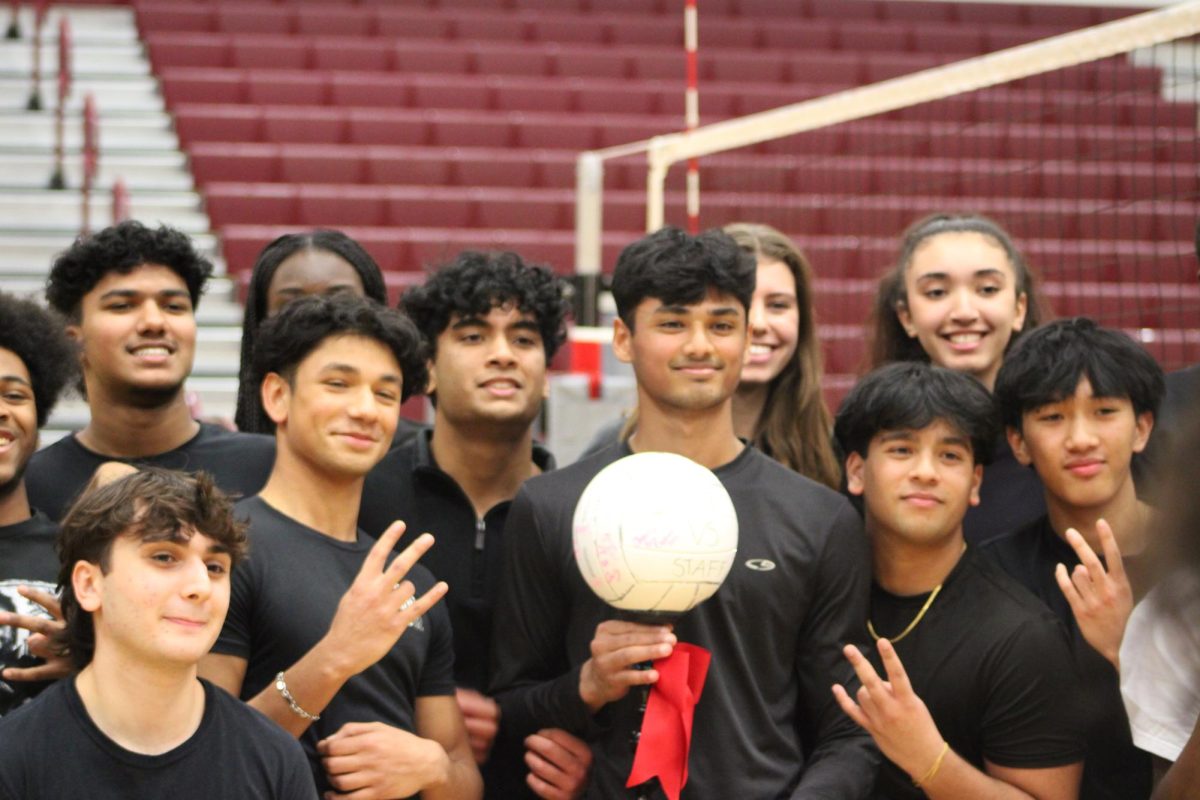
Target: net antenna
[1004, 66]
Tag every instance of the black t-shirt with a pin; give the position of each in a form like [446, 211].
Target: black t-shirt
[408, 485]
[27, 558]
[50, 749]
[978, 660]
[1011, 496]
[238, 462]
[1179, 407]
[284, 598]
[766, 724]
[1114, 769]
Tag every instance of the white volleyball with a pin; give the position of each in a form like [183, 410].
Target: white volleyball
[655, 532]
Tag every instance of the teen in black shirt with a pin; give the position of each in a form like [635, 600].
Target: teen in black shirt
[971, 709]
[1078, 402]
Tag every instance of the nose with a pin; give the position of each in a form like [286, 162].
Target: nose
[197, 580]
[501, 352]
[964, 306]
[698, 345]
[1080, 433]
[758, 316]
[151, 318]
[924, 467]
[364, 404]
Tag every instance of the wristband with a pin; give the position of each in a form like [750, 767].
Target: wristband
[928, 776]
[281, 687]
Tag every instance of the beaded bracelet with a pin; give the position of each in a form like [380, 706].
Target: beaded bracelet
[282, 687]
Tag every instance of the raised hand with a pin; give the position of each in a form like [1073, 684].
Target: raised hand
[891, 712]
[1101, 600]
[616, 648]
[379, 606]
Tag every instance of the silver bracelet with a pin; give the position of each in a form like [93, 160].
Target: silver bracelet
[281, 687]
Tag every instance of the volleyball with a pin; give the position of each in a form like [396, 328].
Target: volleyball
[654, 532]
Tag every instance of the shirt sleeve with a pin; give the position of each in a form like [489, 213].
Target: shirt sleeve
[1031, 719]
[843, 761]
[1158, 674]
[437, 673]
[532, 680]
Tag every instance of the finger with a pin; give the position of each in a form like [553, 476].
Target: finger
[473, 704]
[849, 706]
[51, 671]
[29, 622]
[483, 729]
[643, 635]
[1068, 589]
[862, 668]
[343, 766]
[1087, 556]
[1085, 585]
[894, 667]
[550, 751]
[424, 602]
[577, 747]
[545, 790]
[404, 562]
[377, 557]
[1112, 552]
[622, 660]
[44, 599]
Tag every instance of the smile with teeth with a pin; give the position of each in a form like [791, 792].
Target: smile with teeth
[965, 337]
[151, 350]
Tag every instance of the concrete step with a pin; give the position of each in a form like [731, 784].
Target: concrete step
[155, 172]
[100, 60]
[89, 24]
[132, 94]
[137, 132]
[60, 210]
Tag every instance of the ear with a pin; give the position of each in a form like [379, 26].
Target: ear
[1017, 442]
[276, 397]
[87, 579]
[1143, 427]
[622, 343]
[1022, 310]
[75, 334]
[905, 318]
[976, 482]
[855, 466]
[431, 383]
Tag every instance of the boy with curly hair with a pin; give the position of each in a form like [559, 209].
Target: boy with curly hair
[493, 323]
[36, 363]
[129, 294]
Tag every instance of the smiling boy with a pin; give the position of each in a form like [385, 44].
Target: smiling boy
[341, 648]
[129, 295]
[145, 573]
[1078, 401]
[968, 709]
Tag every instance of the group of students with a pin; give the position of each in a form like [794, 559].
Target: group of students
[397, 609]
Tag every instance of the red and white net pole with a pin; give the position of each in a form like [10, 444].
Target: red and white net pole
[58, 180]
[91, 160]
[14, 21]
[39, 21]
[691, 41]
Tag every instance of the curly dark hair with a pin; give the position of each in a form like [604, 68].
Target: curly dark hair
[678, 268]
[290, 336]
[152, 505]
[475, 282]
[274, 254]
[122, 248]
[39, 339]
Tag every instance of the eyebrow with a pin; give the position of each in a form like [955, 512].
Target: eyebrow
[134, 293]
[15, 379]
[720, 311]
[353, 370]
[979, 273]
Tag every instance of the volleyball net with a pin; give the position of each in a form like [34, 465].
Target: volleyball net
[1084, 146]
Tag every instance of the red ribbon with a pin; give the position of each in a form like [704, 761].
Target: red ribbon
[662, 750]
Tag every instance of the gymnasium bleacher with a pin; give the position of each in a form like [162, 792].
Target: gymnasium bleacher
[422, 127]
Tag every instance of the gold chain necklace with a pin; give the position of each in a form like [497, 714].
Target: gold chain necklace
[911, 625]
[920, 614]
